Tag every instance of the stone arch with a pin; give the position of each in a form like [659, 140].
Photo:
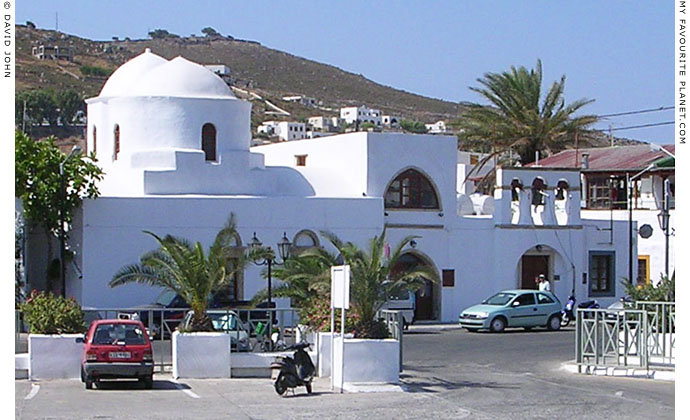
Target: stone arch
[427, 299]
[303, 240]
[412, 188]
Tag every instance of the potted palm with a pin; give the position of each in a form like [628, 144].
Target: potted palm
[184, 268]
[306, 280]
[374, 276]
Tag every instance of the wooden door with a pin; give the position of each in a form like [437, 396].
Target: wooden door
[532, 266]
[424, 302]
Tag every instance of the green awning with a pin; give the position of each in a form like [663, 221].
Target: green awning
[665, 162]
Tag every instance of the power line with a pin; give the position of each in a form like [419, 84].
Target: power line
[663, 108]
[639, 126]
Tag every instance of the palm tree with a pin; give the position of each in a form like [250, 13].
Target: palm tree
[372, 278]
[304, 277]
[184, 268]
[518, 118]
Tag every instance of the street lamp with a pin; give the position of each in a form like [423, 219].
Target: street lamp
[261, 255]
[76, 151]
[664, 217]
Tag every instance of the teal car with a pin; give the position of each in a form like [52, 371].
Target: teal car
[514, 308]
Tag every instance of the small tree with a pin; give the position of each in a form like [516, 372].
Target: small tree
[68, 103]
[162, 33]
[184, 268]
[210, 32]
[413, 126]
[39, 185]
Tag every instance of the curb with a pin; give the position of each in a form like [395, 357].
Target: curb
[627, 372]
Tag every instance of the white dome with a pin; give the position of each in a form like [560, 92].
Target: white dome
[181, 78]
[127, 75]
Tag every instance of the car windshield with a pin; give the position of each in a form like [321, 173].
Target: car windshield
[130, 334]
[224, 322]
[165, 298]
[499, 298]
[399, 295]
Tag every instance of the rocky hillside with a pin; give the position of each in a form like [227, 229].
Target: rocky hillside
[270, 73]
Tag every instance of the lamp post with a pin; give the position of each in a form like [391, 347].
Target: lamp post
[76, 151]
[268, 258]
[664, 217]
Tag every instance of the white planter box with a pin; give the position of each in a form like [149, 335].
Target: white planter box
[323, 350]
[54, 356]
[201, 355]
[367, 360]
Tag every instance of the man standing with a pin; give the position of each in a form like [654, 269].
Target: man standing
[544, 285]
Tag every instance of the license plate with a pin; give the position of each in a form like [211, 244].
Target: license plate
[120, 355]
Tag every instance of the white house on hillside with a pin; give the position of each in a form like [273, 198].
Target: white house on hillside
[174, 144]
[439, 127]
[361, 114]
[285, 130]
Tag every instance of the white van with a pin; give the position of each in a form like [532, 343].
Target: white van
[405, 302]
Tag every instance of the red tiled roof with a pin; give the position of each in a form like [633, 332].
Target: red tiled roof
[617, 158]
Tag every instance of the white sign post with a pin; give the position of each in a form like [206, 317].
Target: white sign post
[340, 299]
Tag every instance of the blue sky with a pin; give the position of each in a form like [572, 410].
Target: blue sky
[619, 53]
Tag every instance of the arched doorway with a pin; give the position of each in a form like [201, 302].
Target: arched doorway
[428, 297]
[540, 259]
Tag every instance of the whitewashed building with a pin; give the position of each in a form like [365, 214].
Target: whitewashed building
[608, 173]
[285, 130]
[439, 127]
[174, 144]
[361, 114]
[391, 121]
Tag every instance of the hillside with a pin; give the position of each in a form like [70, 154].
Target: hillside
[268, 72]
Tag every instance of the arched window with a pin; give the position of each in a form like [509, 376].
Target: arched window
[94, 140]
[116, 134]
[411, 190]
[208, 141]
[304, 240]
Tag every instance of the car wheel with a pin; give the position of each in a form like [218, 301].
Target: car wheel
[147, 381]
[554, 323]
[83, 376]
[565, 320]
[88, 383]
[498, 324]
[308, 386]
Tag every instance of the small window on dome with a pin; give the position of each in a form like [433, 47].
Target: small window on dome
[208, 141]
[116, 134]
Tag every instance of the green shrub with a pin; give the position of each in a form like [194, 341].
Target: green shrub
[94, 71]
[664, 291]
[49, 314]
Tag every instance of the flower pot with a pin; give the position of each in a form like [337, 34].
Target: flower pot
[201, 355]
[366, 361]
[54, 356]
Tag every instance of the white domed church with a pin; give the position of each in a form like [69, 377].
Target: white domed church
[174, 143]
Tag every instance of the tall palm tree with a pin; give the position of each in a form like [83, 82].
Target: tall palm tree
[518, 117]
[185, 268]
[372, 278]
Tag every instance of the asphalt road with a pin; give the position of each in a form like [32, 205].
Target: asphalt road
[517, 374]
[448, 374]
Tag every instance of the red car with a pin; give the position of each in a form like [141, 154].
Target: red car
[116, 348]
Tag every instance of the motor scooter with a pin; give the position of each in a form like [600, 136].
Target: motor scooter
[568, 312]
[294, 371]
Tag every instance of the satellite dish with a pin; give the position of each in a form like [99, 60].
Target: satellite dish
[645, 231]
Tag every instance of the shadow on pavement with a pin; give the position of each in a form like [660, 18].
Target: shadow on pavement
[127, 385]
[436, 384]
[417, 332]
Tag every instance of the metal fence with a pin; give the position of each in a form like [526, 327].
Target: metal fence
[394, 321]
[640, 337]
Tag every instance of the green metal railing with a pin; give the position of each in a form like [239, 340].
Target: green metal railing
[640, 337]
